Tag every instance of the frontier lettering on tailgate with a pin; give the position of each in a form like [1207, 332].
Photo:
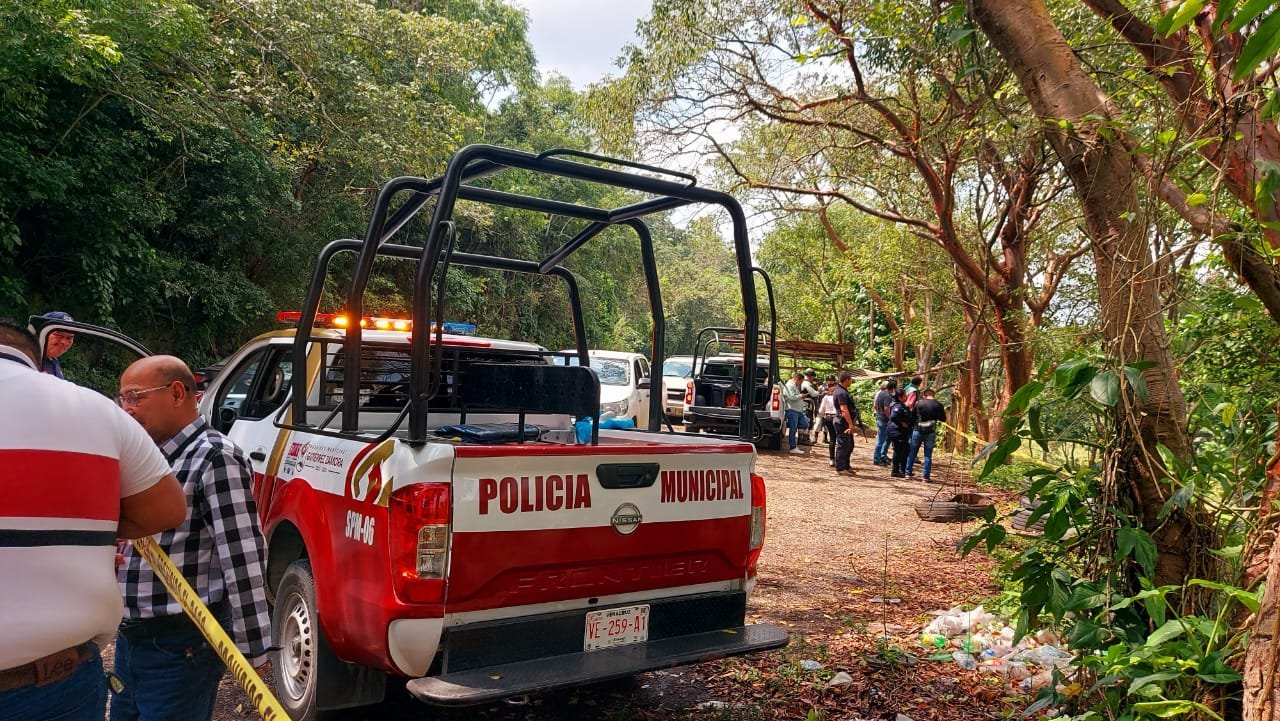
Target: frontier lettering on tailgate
[535, 493]
[712, 485]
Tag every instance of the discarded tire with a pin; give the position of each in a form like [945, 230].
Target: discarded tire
[960, 507]
[1023, 515]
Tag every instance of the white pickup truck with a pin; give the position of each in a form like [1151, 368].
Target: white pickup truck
[431, 512]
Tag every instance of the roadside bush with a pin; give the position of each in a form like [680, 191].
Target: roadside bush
[1141, 651]
[1014, 476]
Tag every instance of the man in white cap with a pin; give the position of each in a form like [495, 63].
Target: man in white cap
[59, 342]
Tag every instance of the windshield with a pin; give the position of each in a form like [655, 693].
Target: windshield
[611, 372]
[674, 367]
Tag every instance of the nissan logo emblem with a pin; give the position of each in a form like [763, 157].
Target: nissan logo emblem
[626, 519]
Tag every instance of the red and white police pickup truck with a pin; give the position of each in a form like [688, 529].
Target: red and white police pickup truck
[484, 567]
[445, 508]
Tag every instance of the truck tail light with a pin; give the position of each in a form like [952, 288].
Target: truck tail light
[776, 401]
[688, 393]
[731, 399]
[420, 516]
[756, 543]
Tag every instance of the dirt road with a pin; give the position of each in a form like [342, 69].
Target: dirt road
[848, 568]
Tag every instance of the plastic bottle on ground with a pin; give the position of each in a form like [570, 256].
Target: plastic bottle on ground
[1015, 670]
[964, 660]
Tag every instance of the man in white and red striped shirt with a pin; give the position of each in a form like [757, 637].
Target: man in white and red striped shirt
[76, 472]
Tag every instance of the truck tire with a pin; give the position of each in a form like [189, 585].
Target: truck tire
[296, 628]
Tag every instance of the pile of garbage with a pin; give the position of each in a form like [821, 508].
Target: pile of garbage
[977, 640]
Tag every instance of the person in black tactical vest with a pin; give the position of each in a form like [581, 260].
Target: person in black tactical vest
[929, 413]
[901, 422]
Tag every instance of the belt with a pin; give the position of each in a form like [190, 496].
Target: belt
[136, 629]
[50, 669]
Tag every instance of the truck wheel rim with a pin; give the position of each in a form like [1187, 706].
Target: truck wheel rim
[297, 650]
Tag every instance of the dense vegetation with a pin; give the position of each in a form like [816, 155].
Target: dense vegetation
[171, 168]
[1065, 213]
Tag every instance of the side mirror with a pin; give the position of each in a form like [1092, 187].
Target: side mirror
[226, 417]
[643, 384]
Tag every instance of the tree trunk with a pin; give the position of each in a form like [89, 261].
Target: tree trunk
[1262, 560]
[895, 330]
[958, 414]
[871, 327]
[1172, 62]
[972, 410]
[1015, 355]
[981, 420]
[1261, 664]
[924, 351]
[1073, 107]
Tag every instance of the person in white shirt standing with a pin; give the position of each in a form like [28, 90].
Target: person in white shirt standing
[827, 417]
[75, 473]
[793, 400]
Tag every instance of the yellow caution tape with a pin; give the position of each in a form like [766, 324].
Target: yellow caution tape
[983, 444]
[268, 707]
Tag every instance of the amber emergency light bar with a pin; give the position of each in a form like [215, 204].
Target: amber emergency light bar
[339, 320]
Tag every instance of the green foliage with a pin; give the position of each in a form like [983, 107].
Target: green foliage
[1012, 476]
[170, 168]
[1263, 42]
[699, 284]
[819, 287]
[1141, 650]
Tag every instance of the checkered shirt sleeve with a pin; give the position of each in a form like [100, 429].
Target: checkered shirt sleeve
[219, 549]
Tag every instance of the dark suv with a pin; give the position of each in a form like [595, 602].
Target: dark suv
[713, 397]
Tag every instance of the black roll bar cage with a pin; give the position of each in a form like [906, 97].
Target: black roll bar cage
[701, 348]
[472, 163]
[406, 252]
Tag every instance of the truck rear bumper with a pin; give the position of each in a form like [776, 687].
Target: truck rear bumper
[496, 682]
[726, 420]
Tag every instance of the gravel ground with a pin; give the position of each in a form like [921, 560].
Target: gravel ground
[847, 568]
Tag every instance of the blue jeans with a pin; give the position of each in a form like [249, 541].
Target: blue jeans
[880, 454]
[795, 421]
[921, 439]
[82, 696]
[168, 677]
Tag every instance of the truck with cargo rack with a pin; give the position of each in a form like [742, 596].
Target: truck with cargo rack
[724, 383]
[432, 512]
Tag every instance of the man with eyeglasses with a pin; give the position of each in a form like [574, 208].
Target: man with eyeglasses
[75, 474]
[58, 343]
[168, 669]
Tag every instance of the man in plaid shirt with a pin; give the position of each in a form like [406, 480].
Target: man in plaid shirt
[169, 671]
